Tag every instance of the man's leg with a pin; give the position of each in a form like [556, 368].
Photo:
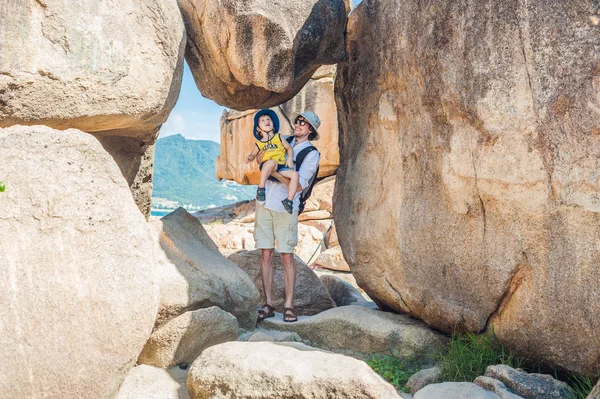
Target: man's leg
[264, 237]
[286, 233]
[289, 279]
[266, 273]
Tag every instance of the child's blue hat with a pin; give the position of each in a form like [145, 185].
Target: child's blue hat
[274, 118]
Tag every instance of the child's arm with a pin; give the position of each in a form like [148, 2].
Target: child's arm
[252, 155]
[290, 153]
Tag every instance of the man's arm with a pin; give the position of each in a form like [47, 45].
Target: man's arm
[307, 170]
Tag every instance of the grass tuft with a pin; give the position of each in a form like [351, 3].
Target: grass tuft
[469, 355]
[393, 370]
[467, 358]
[582, 385]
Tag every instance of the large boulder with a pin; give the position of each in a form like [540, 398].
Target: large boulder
[237, 139]
[423, 378]
[333, 259]
[530, 386]
[269, 370]
[112, 71]
[322, 195]
[468, 190]
[242, 212]
[310, 295]
[342, 292]
[363, 332]
[147, 382]
[94, 67]
[182, 339]
[496, 386]
[256, 54]
[455, 390]
[193, 274]
[135, 158]
[77, 279]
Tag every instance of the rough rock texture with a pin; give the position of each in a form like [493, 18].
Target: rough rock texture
[310, 295]
[454, 390]
[360, 331]
[256, 54]
[423, 378]
[135, 158]
[94, 67]
[342, 292]
[530, 386]
[261, 335]
[232, 237]
[192, 274]
[112, 71]
[309, 243]
[344, 276]
[237, 139]
[332, 259]
[268, 370]
[242, 212]
[147, 382]
[77, 272]
[496, 386]
[314, 215]
[322, 194]
[182, 339]
[468, 192]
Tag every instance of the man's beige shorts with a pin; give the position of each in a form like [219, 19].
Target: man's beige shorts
[271, 226]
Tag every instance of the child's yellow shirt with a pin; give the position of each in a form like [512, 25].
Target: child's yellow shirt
[274, 149]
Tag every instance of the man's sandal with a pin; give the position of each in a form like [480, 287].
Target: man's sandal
[260, 194]
[289, 316]
[288, 205]
[263, 314]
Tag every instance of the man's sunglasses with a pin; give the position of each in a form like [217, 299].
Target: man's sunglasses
[301, 122]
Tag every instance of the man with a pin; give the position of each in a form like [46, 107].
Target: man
[273, 223]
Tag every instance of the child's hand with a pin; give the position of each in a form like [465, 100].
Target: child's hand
[250, 158]
[290, 163]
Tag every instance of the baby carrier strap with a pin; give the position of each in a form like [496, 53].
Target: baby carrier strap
[305, 194]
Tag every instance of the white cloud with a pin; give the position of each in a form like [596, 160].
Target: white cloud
[193, 125]
[175, 124]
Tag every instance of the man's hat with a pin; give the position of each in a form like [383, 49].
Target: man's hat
[311, 118]
[274, 118]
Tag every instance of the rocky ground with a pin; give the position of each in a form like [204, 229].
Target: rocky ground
[323, 352]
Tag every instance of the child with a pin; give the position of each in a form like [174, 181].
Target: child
[266, 128]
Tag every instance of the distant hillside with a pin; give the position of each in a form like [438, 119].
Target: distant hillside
[184, 175]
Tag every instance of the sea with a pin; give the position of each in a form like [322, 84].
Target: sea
[160, 212]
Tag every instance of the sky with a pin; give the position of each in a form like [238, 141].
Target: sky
[194, 116]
